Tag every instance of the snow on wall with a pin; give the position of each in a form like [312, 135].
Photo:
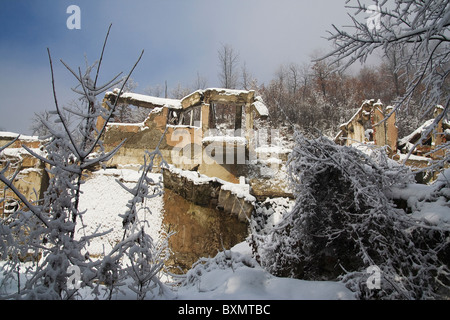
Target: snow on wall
[19, 152]
[258, 103]
[260, 107]
[6, 134]
[241, 191]
[225, 139]
[227, 92]
[162, 102]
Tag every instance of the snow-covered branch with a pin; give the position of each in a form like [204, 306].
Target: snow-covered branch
[48, 229]
[345, 221]
[416, 32]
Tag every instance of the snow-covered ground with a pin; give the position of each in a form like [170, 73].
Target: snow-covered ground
[248, 281]
[104, 199]
[233, 274]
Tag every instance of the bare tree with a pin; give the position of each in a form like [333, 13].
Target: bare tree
[228, 59]
[156, 91]
[248, 82]
[200, 82]
[180, 91]
[422, 27]
[294, 77]
[124, 111]
[37, 127]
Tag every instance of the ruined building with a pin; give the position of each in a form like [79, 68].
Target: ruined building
[219, 165]
[428, 141]
[208, 140]
[374, 124]
[197, 135]
[31, 178]
[209, 132]
[367, 126]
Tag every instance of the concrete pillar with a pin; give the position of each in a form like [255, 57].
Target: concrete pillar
[248, 121]
[437, 136]
[391, 132]
[205, 117]
[238, 120]
[100, 120]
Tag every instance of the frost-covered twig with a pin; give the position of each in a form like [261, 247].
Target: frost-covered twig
[347, 218]
[422, 27]
[147, 259]
[48, 229]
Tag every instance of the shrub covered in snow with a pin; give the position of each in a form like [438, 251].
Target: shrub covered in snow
[344, 221]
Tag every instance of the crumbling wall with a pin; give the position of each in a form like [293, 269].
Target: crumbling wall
[190, 123]
[233, 198]
[201, 231]
[146, 136]
[31, 179]
[428, 141]
[207, 214]
[372, 123]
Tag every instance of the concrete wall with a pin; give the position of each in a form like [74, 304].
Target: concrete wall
[32, 180]
[369, 125]
[183, 145]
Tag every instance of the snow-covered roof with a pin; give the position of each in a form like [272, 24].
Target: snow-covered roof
[194, 98]
[224, 91]
[136, 98]
[416, 133]
[260, 107]
[230, 95]
[6, 134]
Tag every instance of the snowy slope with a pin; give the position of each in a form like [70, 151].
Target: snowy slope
[233, 274]
[104, 200]
[248, 281]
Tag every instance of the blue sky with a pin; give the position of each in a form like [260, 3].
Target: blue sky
[180, 38]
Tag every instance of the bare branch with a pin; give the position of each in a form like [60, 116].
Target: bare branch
[9, 143]
[115, 104]
[66, 128]
[34, 209]
[101, 56]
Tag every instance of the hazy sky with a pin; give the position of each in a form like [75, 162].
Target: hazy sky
[181, 39]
